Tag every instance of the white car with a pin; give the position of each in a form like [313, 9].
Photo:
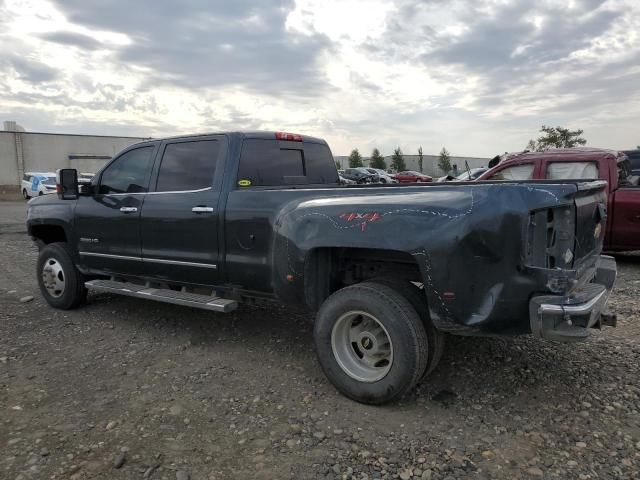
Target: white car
[38, 183]
[382, 175]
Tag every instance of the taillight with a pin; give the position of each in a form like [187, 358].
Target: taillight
[550, 239]
[289, 137]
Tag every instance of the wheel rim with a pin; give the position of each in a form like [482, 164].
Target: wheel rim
[53, 277]
[362, 346]
[24, 194]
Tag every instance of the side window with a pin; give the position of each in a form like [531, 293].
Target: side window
[264, 163]
[129, 173]
[517, 172]
[26, 178]
[626, 177]
[188, 166]
[572, 170]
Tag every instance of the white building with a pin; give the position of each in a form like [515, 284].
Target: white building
[22, 151]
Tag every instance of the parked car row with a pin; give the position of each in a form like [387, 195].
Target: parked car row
[364, 175]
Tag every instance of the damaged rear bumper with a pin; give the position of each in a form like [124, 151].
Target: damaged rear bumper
[569, 318]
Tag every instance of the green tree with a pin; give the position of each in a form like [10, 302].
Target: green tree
[397, 160]
[420, 158]
[338, 165]
[444, 161]
[557, 137]
[377, 160]
[355, 159]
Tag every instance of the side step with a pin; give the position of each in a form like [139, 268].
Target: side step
[206, 302]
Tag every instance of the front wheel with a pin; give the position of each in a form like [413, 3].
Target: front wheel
[25, 195]
[60, 282]
[371, 343]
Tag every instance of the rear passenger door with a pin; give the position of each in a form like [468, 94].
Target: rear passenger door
[179, 221]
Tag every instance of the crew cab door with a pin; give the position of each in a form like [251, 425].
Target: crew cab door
[625, 226]
[107, 229]
[179, 221]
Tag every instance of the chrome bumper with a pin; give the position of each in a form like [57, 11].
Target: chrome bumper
[569, 318]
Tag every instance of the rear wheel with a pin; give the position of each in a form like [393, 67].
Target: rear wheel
[418, 300]
[60, 282]
[371, 343]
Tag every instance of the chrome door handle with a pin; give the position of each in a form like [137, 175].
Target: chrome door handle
[128, 209]
[202, 209]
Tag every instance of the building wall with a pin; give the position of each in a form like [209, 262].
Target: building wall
[45, 152]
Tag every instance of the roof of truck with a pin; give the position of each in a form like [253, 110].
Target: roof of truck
[582, 153]
[267, 135]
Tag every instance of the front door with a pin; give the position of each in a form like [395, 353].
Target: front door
[179, 221]
[107, 223]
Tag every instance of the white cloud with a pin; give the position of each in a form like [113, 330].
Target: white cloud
[476, 78]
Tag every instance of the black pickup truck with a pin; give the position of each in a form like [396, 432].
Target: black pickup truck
[212, 220]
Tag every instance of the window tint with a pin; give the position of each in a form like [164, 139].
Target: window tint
[265, 163]
[188, 166]
[321, 167]
[571, 170]
[517, 172]
[129, 173]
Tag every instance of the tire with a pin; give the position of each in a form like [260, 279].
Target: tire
[60, 282]
[40, 194]
[25, 195]
[373, 313]
[416, 296]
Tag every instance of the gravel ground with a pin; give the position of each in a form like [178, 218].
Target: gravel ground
[125, 388]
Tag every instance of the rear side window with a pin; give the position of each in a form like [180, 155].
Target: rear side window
[274, 163]
[517, 172]
[129, 173]
[188, 166]
[571, 170]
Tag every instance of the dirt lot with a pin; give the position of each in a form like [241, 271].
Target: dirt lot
[179, 393]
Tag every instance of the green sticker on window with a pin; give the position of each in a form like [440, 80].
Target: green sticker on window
[244, 183]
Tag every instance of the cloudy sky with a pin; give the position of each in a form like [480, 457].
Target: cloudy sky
[477, 77]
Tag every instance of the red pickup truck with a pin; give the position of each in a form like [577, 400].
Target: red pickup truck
[623, 225]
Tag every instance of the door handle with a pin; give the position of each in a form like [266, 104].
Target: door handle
[128, 209]
[202, 209]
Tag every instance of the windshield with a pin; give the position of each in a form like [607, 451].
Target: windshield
[475, 173]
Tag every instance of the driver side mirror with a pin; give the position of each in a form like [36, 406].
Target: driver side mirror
[67, 183]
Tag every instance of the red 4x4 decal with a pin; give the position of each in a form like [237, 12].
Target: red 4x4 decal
[361, 218]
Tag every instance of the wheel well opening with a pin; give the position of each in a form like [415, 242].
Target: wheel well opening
[330, 269]
[48, 233]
